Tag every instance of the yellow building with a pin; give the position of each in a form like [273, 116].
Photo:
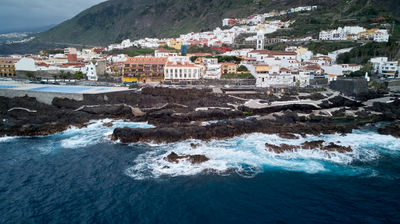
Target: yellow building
[177, 44]
[263, 68]
[367, 35]
[301, 50]
[144, 69]
[7, 67]
[228, 68]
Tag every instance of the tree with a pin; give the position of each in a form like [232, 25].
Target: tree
[106, 75]
[63, 75]
[68, 75]
[30, 75]
[78, 75]
[193, 58]
[242, 68]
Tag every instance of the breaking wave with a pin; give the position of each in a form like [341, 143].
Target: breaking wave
[95, 132]
[247, 156]
[7, 139]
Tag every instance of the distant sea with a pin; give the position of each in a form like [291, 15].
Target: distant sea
[81, 176]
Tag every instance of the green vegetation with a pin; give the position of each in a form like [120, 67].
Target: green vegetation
[379, 87]
[237, 76]
[339, 13]
[220, 58]
[205, 49]
[79, 75]
[326, 47]
[356, 74]
[115, 20]
[168, 48]
[133, 51]
[242, 68]
[362, 54]
[30, 75]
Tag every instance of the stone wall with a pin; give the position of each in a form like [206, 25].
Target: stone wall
[351, 87]
[216, 82]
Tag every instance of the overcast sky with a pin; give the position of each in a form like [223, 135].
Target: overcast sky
[22, 14]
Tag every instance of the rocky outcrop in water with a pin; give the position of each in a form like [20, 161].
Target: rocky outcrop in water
[227, 129]
[391, 129]
[194, 159]
[331, 147]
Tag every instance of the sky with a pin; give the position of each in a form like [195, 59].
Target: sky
[26, 14]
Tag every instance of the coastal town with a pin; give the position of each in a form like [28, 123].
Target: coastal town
[234, 68]
[170, 60]
[207, 111]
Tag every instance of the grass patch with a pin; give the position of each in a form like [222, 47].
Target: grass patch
[237, 76]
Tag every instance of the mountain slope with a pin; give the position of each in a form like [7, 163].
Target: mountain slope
[115, 20]
[119, 19]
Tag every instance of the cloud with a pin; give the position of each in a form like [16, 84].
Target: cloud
[21, 14]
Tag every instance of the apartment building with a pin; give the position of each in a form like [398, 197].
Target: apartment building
[385, 68]
[144, 69]
[7, 67]
[228, 68]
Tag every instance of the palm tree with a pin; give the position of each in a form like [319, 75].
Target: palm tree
[30, 75]
[78, 75]
[68, 75]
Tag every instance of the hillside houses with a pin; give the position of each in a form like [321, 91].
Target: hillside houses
[260, 18]
[355, 33]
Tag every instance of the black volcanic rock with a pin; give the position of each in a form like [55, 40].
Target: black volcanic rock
[391, 129]
[194, 159]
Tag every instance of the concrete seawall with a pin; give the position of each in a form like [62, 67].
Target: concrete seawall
[43, 97]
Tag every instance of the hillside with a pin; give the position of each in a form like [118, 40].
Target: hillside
[119, 19]
[354, 12]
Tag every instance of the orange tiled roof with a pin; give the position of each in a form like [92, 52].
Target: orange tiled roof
[146, 60]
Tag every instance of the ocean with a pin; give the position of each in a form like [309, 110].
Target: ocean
[81, 176]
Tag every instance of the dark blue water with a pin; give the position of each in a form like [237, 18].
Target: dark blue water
[45, 180]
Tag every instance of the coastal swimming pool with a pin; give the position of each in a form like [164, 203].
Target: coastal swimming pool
[6, 87]
[60, 89]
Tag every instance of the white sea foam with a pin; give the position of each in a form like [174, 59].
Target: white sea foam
[95, 132]
[247, 156]
[7, 139]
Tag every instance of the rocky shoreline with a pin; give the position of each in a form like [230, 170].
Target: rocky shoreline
[178, 113]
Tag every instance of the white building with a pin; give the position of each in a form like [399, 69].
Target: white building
[181, 68]
[381, 36]
[354, 33]
[165, 53]
[260, 41]
[275, 76]
[90, 71]
[26, 64]
[212, 68]
[383, 67]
